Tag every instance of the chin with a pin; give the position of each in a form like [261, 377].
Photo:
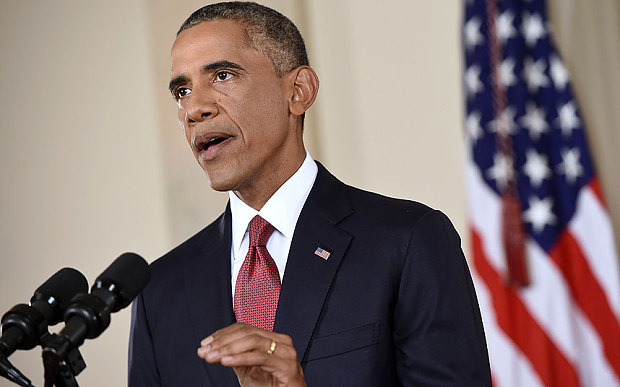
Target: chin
[220, 183]
[220, 187]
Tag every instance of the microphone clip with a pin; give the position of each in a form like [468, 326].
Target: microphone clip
[62, 362]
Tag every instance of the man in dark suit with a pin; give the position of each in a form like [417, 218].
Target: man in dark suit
[345, 288]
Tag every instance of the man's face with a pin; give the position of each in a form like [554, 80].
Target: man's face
[231, 105]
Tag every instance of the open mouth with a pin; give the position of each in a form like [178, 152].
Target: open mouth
[205, 142]
[204, 145]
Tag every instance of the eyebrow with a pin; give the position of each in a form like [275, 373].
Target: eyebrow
[221, 64]
[176, 81]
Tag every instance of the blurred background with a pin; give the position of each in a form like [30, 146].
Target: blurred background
[93, 162]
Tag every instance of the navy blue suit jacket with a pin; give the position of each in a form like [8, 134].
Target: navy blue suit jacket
[393, 304]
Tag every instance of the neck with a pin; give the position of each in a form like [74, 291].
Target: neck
[258, 193]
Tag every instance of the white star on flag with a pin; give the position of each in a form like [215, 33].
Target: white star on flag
[502, 170]
[570, 165]
[536, 167]
[505, 123]
[540, 213]
[559, 74]
[534, 73]
[507, 72]
[534, 120]
[505, 29]
[532, 28]
[472, 34]
[472, 80]
[567, 116]
[472, 125]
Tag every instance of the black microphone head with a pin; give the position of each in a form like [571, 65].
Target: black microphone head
[58, 291]
[128, 275]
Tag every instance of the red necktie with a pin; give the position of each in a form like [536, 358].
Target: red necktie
[258, 283]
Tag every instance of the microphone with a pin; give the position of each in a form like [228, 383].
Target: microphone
[24, 326]
[88, 315]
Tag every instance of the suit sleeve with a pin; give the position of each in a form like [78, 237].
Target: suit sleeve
[143, 370]
[438, 331]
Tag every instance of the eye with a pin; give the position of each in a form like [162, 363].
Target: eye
[182, 92]
[223, 76]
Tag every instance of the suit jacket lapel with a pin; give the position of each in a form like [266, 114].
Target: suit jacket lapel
[208, 290]
[308, 277]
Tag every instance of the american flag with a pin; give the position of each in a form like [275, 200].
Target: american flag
[322, 253]
[544, 258]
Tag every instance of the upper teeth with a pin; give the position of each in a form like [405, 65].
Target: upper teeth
[211, 141]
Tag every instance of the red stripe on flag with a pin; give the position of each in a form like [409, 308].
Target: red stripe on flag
[514, 319]
[595, 186]
[589, 295]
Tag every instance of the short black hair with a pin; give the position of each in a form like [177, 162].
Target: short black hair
[267, 30]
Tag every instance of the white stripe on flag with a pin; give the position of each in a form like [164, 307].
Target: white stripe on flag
[594, 368]
[592, 229]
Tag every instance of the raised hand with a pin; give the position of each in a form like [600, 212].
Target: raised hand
[258, 357]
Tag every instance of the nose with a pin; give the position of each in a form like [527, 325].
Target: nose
[200, 106]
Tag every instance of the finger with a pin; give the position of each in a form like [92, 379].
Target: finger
[218, 338]
[258, 343]
[236, 332]
[285, 371]
[255, 343]
[239, 331]
[233, 345]
[222, 332]
[231, 333]
[255, 358]
[248, 343]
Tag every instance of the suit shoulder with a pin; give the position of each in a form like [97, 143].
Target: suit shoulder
[389, 209]
[360, 208]
[178, 256]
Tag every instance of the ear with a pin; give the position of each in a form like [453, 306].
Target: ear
[305, 88]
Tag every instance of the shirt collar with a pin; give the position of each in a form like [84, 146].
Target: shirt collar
[283, 207]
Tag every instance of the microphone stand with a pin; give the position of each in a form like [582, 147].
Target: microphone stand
[8, 371]
[62, 362]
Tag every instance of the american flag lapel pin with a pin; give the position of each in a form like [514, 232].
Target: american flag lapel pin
[321, 252]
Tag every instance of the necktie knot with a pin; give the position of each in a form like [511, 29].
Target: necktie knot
[260, 230]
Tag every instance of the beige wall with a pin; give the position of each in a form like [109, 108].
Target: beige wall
[389, 109]
[94, 163]
[81, 168]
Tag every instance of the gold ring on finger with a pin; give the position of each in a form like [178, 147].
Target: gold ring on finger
[272, 347]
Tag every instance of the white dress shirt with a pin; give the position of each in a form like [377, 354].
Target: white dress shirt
[281, 211]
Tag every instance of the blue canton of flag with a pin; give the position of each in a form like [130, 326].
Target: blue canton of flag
[551, 162]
